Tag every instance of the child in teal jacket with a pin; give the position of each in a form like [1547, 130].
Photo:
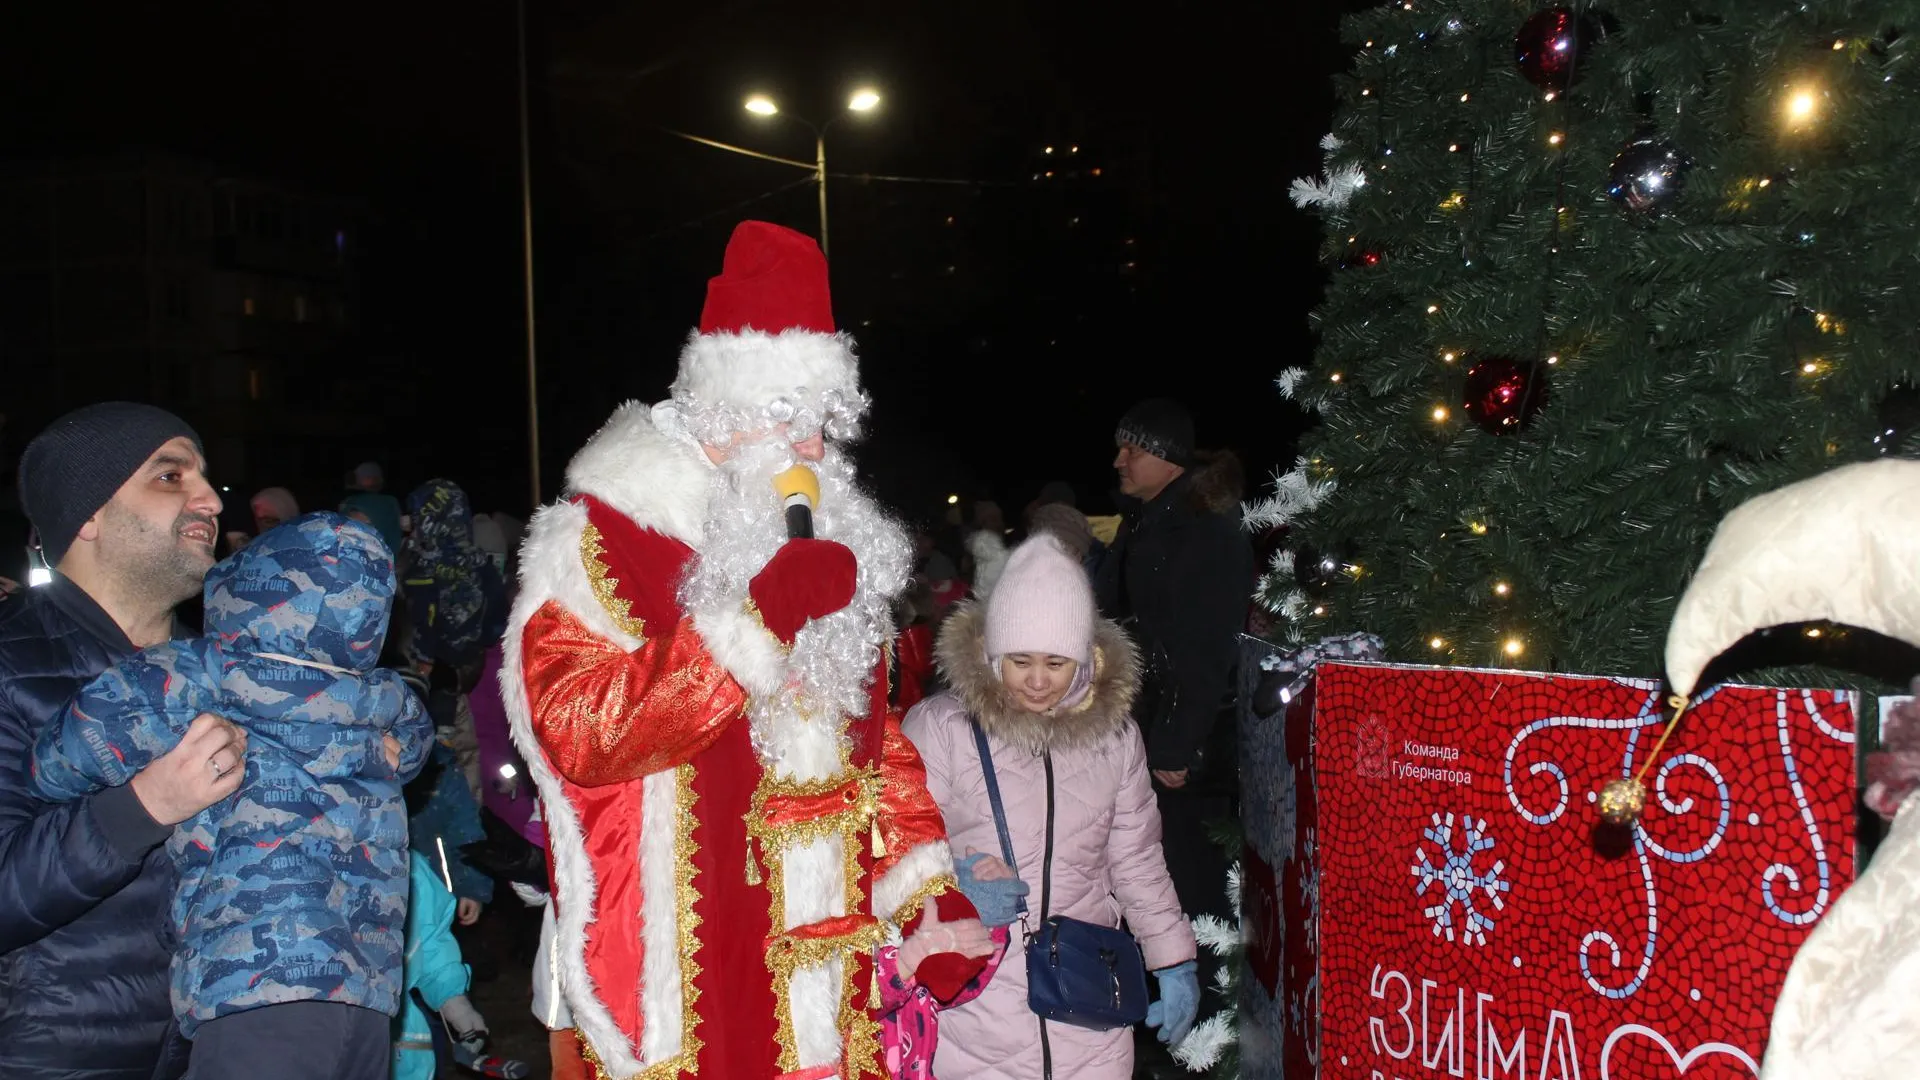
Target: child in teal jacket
[436, 975]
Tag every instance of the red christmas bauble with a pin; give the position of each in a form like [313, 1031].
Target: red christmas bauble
[1502, 394]
[1548, 48]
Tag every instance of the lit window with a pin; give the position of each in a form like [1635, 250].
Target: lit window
[246, 306]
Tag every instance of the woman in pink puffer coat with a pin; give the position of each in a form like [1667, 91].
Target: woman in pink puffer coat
[1045, 675]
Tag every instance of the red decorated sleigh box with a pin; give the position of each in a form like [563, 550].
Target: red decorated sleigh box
[1463, 912]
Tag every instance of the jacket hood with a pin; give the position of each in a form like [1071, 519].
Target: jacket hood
[961, 655]
[319, 588]
[443, 525]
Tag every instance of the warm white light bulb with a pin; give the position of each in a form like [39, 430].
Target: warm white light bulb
[1802, 104]
[1514, 646]
[863, 100]
[761, 106]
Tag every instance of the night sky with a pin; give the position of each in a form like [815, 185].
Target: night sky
[999, 346]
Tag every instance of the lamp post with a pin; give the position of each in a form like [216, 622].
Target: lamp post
[863, 101]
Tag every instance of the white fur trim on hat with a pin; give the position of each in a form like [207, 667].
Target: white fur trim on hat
[743, 382]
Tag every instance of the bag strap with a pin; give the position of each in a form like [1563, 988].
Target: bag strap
[1046, 873]
[999, 808]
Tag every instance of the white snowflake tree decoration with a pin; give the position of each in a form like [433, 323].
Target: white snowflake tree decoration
[1335, 188]
[1211, 1040]
[1459, 879]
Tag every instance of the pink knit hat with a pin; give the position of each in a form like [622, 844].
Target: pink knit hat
[1042, 603]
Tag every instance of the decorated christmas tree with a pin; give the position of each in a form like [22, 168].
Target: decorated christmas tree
[1598, 274]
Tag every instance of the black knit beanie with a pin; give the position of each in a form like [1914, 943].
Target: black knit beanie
[70, 470]
[1161, 427]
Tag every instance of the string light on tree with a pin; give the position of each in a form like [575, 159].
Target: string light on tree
[1514, 647]
[1801, 109]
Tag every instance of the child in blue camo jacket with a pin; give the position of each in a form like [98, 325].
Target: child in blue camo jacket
[292, 901]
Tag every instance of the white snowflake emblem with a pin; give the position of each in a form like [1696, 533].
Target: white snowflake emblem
[1459, 879]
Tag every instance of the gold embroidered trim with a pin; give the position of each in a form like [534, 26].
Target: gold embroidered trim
[934, 887]
[753, 612]
[599, 576]
[861, 1045]
[850, 824]
[849, 821]
[592, 1059]
[684, 847]
[776, 862]
[686, 895]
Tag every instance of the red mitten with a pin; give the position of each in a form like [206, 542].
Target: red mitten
[805, 580]
[945, 974]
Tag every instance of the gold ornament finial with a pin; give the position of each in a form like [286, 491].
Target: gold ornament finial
[1623, 800]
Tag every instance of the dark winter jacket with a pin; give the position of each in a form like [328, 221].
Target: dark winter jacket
[1178, 575]
[295, 887]
[84, 934]
[442, 818]
[454, 591]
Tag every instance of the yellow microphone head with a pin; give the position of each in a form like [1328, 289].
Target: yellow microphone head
[798, 480]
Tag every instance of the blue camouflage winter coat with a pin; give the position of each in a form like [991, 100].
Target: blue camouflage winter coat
[295, 887]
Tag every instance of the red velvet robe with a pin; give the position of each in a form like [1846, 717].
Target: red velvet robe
[669, 833]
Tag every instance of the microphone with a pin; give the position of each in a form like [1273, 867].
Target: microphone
[799, 490]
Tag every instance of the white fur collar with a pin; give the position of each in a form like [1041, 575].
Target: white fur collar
[652, 475]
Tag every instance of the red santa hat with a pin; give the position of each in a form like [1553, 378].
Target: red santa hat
[767, 351]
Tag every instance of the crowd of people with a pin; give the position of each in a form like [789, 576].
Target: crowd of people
[795, 792]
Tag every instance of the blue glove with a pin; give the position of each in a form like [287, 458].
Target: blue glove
[998, 902]
[1179, 1002]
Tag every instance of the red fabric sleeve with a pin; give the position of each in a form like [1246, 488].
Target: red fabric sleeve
[605, 715]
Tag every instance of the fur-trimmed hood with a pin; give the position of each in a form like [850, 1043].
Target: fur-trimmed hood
[961, 655]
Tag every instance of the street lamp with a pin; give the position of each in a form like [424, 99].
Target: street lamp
[864, 100]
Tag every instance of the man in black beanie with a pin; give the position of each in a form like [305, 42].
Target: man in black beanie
[118, 497]
[1180, 576]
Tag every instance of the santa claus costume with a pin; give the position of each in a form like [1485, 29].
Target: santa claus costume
[735, 821]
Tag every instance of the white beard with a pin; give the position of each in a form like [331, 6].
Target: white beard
[800, 734]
